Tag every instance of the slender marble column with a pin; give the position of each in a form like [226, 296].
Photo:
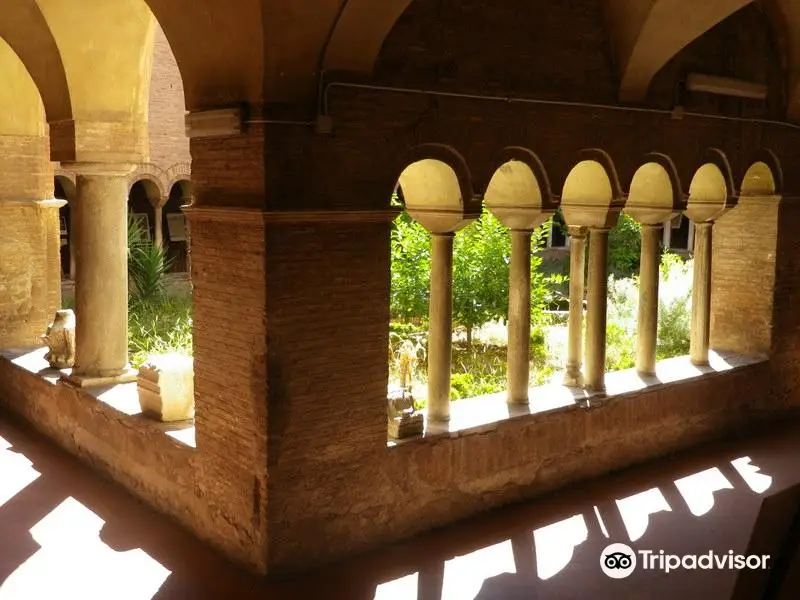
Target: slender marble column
[596, 310]
[519, 317]
[701, 295]
[440, 339]
[647, 337]
[577, 263]
[159, 229]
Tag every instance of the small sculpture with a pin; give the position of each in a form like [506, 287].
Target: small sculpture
[404, 420]
[60, 338]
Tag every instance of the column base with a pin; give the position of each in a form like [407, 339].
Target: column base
[526, 401]
[573, 379]
[88, 381]
[597, 389]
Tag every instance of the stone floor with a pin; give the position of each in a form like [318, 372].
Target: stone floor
[66, 533]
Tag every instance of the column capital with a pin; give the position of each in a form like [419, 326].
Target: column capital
[703, 224]
[577, 231]
[98, 169]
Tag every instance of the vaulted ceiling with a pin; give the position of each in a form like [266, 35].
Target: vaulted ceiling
[89, 58]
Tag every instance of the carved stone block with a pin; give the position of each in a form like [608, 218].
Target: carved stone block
[166, 388]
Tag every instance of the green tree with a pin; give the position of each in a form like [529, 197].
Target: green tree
[481, 259]
[411, 270]
[624, 248]
[482, 255]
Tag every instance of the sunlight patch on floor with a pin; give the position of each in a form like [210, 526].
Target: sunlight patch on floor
[74, 562]
[17, 472]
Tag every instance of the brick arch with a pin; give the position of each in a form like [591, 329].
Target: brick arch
[67, 181]
[177, 173]
[152, 173]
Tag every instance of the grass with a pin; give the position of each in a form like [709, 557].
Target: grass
[477, 369]
[160, 327]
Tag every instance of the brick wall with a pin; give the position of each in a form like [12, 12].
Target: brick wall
[168, 142]
[230, 347]
[742, 276]
[27, 293]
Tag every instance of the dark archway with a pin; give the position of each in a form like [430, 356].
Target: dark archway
[176, 232]
[64, 189]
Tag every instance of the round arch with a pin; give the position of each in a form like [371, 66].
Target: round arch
[24, 29]
[711, 191]
[764, 176]
[591, 195]
[655, 194]
[437, 188]
[519, 191]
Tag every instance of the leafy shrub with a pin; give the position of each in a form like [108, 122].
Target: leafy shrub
[160, 327]
[674, 306]
[624, 248]
[623, 306]
[147, 265]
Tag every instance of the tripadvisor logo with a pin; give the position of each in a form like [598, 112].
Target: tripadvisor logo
[618, 561]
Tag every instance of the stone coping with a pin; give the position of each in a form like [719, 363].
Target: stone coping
[123, 398]
[483, 414]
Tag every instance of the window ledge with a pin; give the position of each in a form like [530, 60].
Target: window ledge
[123, 398]
[483, 414]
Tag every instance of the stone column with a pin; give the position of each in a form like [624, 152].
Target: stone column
[71, 238]
[52, 219]
[101, 286]
[440, 338]
[577, 263]
[596, 310]
[158, 215]
[186, 201]
[701, 295]
[667, 237]
[647, 328]
[519, 317]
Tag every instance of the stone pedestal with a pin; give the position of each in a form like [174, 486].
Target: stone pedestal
[166, 388]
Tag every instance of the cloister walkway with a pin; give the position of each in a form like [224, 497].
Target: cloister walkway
[66, 533]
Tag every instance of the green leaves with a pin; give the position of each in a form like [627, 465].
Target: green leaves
[481, 260]
[147, 265]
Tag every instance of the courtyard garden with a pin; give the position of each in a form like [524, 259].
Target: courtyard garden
[481, 262]
[160, 307]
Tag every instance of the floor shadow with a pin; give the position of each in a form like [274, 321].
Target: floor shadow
[434, 565]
